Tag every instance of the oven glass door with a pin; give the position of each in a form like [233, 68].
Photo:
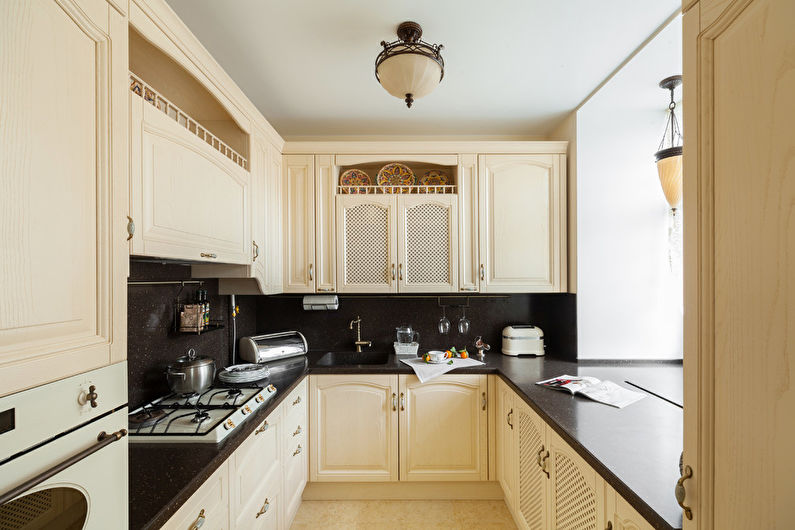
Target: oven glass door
[88, 494]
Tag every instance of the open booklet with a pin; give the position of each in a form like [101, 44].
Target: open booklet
[605, 392]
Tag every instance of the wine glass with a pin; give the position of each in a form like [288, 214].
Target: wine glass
[444, 323]
[463, 322]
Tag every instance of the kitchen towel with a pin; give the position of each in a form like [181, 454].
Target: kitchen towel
[427, 371]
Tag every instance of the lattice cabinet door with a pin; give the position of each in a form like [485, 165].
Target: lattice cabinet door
[427, 243]
[576, 491]
[531, 498]
[366, 244]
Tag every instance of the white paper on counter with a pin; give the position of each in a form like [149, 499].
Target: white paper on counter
[427, 371]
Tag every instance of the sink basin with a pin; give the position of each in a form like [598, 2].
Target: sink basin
[345, 358]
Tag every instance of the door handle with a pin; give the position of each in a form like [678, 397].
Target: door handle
[208, 255]
[400, 271]
[255, 250]
[402, 401]
[394, 401]
[484, 401]
[199, 522]
[508, 418]
[297, 450]
[482, 272]
[264, 508]
[311, 274]
[680, 491]
[297, 431]
[130, 228]
[393, 272]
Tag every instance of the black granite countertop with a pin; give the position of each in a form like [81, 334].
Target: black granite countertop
[635, 449]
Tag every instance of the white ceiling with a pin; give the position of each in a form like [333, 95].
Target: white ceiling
[512, 67]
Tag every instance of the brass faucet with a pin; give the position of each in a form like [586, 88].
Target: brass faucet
[359, 342]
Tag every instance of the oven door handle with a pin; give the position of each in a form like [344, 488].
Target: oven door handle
[102, 440]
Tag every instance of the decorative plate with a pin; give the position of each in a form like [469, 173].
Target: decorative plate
[355, 177]
[396, 174]
[434, 177]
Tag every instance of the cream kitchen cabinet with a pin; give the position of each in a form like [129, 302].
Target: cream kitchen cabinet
[505, 441]
[468, 246]
[63, 146]
[354, 426]
[531, 496]
[444, 428]
[619, 515]
[522, 220]
[295, 448]
[325, 229]
[397, 243]
[207, 508]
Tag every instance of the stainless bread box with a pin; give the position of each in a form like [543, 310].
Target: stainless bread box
[522, 339]
[272, 346]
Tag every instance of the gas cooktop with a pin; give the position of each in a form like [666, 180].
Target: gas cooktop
[200, 418]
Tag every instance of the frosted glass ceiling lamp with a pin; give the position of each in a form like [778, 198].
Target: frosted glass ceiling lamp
[409, 68]
[669, 153]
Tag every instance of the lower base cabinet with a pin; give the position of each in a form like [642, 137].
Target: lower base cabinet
[547, 485]
[259, 487]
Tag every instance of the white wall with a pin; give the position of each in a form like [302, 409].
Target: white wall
[629, 303]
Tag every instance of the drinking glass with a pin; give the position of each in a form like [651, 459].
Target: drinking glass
[444, 323]
[463, 322]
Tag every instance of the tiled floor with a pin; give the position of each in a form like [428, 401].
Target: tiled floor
[402, 515]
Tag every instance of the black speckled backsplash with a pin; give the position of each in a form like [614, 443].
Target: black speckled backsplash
[153, 343]
[555, 314]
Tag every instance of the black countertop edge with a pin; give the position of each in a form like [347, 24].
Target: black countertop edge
[208, 457]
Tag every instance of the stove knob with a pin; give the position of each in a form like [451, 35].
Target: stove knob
[271, 388]
[229, 425]
[259, 398]
[246, 410]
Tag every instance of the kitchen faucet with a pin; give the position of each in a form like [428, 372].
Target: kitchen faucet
[359, 342]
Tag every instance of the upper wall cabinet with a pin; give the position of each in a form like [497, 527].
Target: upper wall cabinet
[189, 167]
[522, 218]
[63, 205]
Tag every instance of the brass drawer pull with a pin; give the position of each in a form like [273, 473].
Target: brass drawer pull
[680, 491]
[393, 272]
[402, 401]
[484, 401]
[297, 400]
[297, 450]
[482, 272]
[544, 463]
[92, 396]
[255, 250]
[325, 289]
[264, 508]
[208, 255]
[262, 428]
[297, 431]
[130, 228]
[509, 417]
[199, 521]
[538, 455]
[394, 401]
[400, 271]
[311, 274]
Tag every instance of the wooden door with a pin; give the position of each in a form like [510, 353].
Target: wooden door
[522, 223]
[530, 506]
[298, 191]
[325, 229]
[354, 426]
[260, 210]
[468, 248]
[427, 241]
[63, 204]
[739, 175]
[366, 244]
[575, 491]
[443, 428]
[505, 446]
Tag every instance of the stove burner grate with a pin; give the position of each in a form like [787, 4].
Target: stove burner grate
[146, 418]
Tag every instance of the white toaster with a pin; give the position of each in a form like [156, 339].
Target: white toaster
[522, 339]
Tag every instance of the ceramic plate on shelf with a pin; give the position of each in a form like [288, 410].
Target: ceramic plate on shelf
[396, 174]
[355, 177]
[434, 177]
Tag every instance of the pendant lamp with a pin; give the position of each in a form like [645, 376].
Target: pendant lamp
[409, 68]
[669, 153]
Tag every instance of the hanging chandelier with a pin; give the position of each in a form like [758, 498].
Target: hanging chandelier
[669, 153]
[409, 68]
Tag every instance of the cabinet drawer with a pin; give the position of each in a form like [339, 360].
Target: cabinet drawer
[262, 508]
[208, 507]
[295, 404]
[257, 457]
[295, 475]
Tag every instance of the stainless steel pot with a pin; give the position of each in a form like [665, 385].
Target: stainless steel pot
[191, 374]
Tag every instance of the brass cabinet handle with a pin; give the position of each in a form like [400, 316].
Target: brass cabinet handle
[538, 455]
[199, 521]
[393, 272]
[297, 450]
[208, 255]
[255, 250]
[130, 228]
[468, 289]
[92, 396]
[402, 401]
[544, 463]
[297, 400]
[264, 508]
[311, 274]
[680, 491]
[326, 289]
[508, 418]
[482, 272]
[609, 525]
[394, 401]
[297, 431]
[484, 401]
[400, 271]
[262, 428]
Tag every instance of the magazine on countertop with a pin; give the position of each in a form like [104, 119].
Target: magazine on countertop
[605, 392]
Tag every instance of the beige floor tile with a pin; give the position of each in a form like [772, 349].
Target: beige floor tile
[328, 512]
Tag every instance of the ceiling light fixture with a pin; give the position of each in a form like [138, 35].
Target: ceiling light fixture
[669, 153]
[409, 68]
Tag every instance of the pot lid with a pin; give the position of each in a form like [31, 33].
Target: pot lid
[191, 360]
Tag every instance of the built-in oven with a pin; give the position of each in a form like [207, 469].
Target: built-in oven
[63, 454]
